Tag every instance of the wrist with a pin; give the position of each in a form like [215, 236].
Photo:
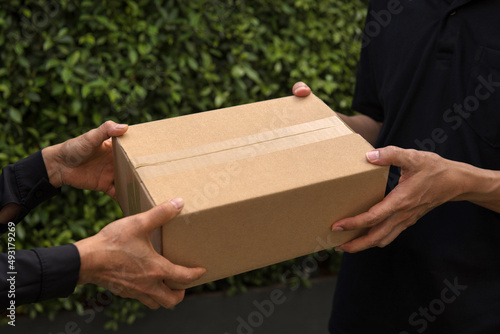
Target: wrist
[87, 249]
[52, 165]
[477, 185]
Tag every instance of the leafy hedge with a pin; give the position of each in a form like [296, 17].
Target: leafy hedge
[66, 66]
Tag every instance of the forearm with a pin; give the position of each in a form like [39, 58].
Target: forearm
[367, 127]
[479, 186]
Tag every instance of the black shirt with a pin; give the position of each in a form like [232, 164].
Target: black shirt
[41, 273]
[430, 71]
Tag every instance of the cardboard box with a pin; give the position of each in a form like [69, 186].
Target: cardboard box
[262, 183]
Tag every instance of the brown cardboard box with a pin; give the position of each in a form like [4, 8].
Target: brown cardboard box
[262, 182]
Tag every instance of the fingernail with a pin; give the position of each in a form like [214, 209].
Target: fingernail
[177, 202]
[337, 228]
[298, 88]
[373, 155]
[120, 126]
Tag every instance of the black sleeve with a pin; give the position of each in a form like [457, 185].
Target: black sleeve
[25, 183]
[366, 99]
[38, 274]
[41, 273]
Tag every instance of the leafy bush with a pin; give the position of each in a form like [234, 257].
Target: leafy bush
[66, 66]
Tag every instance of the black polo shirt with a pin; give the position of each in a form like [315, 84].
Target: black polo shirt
[430, 71]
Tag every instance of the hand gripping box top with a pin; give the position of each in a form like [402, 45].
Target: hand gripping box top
[262, 183]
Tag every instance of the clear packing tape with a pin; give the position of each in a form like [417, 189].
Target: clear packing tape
[247, 147]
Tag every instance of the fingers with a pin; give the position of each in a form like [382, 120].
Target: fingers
[405, 204]
[180, 274]
[159, 293]
[392, 235]
[162, 296]
[381, 220]
[300, 89]
[371, 239]
[111, 192]
[108, 129]
[167, 297]
[379, 236]
[377, 213]
[161, 214]
[149, 302]
[392, 155]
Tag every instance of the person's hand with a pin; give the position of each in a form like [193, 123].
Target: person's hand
[300, 89]
[427, 180]
[121, 259]
[85, 162]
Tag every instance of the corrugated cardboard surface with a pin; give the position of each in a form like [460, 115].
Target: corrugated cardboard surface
[262, 183]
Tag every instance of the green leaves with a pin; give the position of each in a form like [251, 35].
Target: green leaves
[85, 91]
[66, 74]
[15, 115]
[73, 59]
[132, 55]
[106, 22]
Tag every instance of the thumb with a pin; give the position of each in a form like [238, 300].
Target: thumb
[390, 155]
[112, 129]
[108, 129]
[161, 214]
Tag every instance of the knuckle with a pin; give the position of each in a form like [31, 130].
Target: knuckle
[188, 277]
[383, 243]
[433, 158]
[183, 279]
[165, 211]
[107, 124]
[179, 297]
[141, 289]
[373, 242]
[169, 304]
[413, 156]
[376, 239]
[88, 137]
[408, 222]
[156, 273]
[172, 300]
[141, 221]
[406, 203]
[154, 306]
[418, 158]
[373, 218]
[392, 148]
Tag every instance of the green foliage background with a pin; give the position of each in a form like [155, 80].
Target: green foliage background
[67, 66]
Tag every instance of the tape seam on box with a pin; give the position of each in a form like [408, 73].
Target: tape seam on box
[247, 147]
